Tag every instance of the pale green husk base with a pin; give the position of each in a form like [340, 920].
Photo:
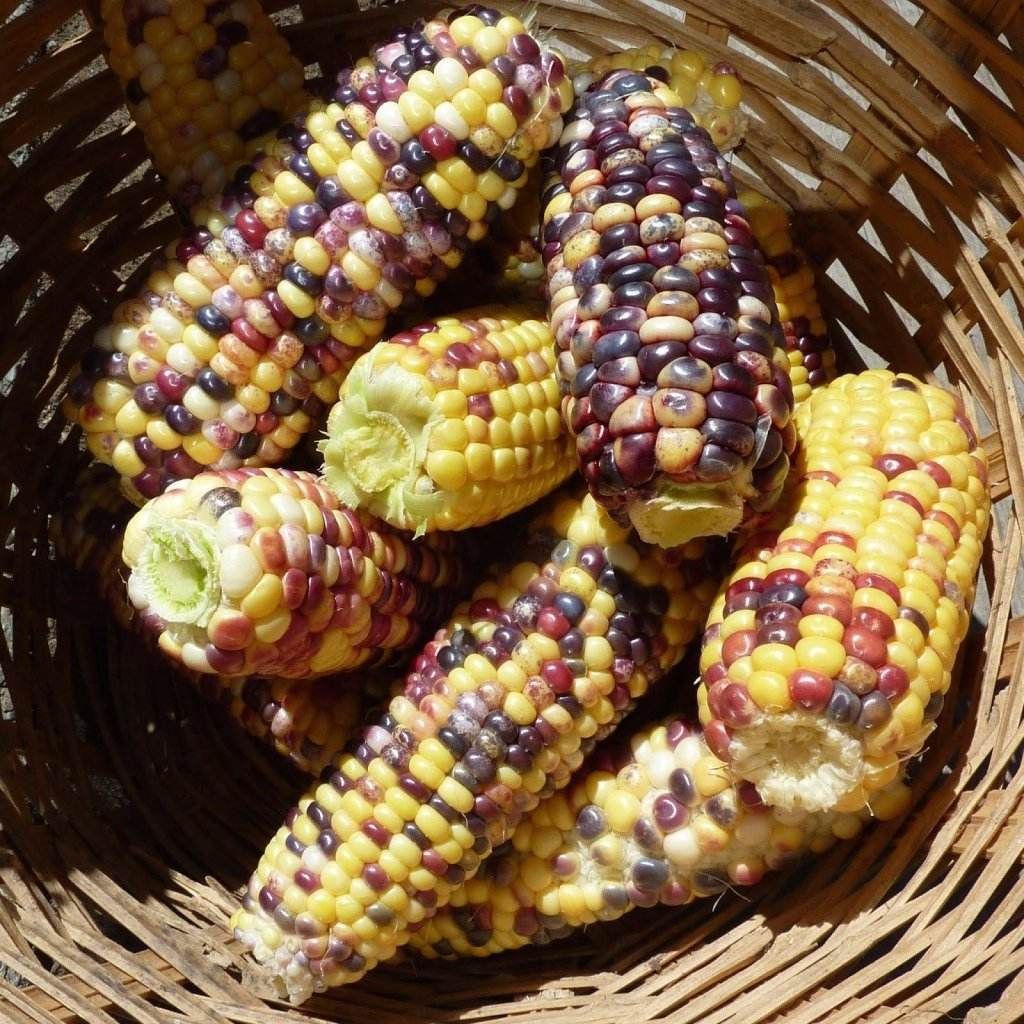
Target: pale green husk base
[178, 570]
[680, 512]
[376, 445]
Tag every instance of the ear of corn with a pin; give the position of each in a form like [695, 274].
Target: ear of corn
[712, 94]
[830, 646]
[263, 571]
[307, 721]
[670, 350]
[812, 360]
[235, 348]
[204, 82]
[496, 714]
[658, 821]
[451, 424]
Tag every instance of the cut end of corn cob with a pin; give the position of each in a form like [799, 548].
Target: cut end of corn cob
[262, 571]
[671, 355]
[451, 425]
[830, 647]
[496, 714]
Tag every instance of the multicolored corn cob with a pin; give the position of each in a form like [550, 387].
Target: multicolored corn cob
[497, 713]
[204, 81]
[451, 424]
[659, 820]
[233, 350]
[263, 571]
[670, 348]
[831, 644]
[307, 721]
[812, 359]
[711, 95]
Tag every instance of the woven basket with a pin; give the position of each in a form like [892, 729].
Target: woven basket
[131, 813]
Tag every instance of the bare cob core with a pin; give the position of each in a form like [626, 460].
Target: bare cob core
[830, 647]
[659, 820]
[307, 721]
[497, 713]
[262, 571]
[670, 350]
[451, 424]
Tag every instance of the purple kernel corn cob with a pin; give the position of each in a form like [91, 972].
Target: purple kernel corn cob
[671, 355]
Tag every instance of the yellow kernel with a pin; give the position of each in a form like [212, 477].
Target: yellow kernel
[519, 708]
[821, 626]
[264, 598]
[448, 469]
[776, 658]
[622, 810]
[770, 690]
[598, 653]
[822, 654]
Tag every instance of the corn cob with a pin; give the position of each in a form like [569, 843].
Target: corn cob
[711, 95]
[451, 424]
[812, 360]
[671, 352]
[204, 81]
[307, 721]
[657, 821]
[233, 350]
[829, 648]
[262, 571]
[496, 714]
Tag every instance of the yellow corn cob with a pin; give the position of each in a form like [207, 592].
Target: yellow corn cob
[262, 571]
[233, 349]
[812, 359]
[831, 644]
[451, 424]
[307, 721]
[204, 82]
[657, 821]
[495, 715]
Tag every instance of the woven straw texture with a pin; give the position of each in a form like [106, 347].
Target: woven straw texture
[130, 812]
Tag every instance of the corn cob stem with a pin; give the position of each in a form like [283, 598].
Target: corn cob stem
[496, 714]
[262, 571]
[237, 345]
[204, 82]
[670, 346]
[452, 424]
[829, 648]
[307, 721]
[658, 821]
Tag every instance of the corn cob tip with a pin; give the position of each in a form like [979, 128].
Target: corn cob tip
[677, 514]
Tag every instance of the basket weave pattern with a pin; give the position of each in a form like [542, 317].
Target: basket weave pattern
[130, 812]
